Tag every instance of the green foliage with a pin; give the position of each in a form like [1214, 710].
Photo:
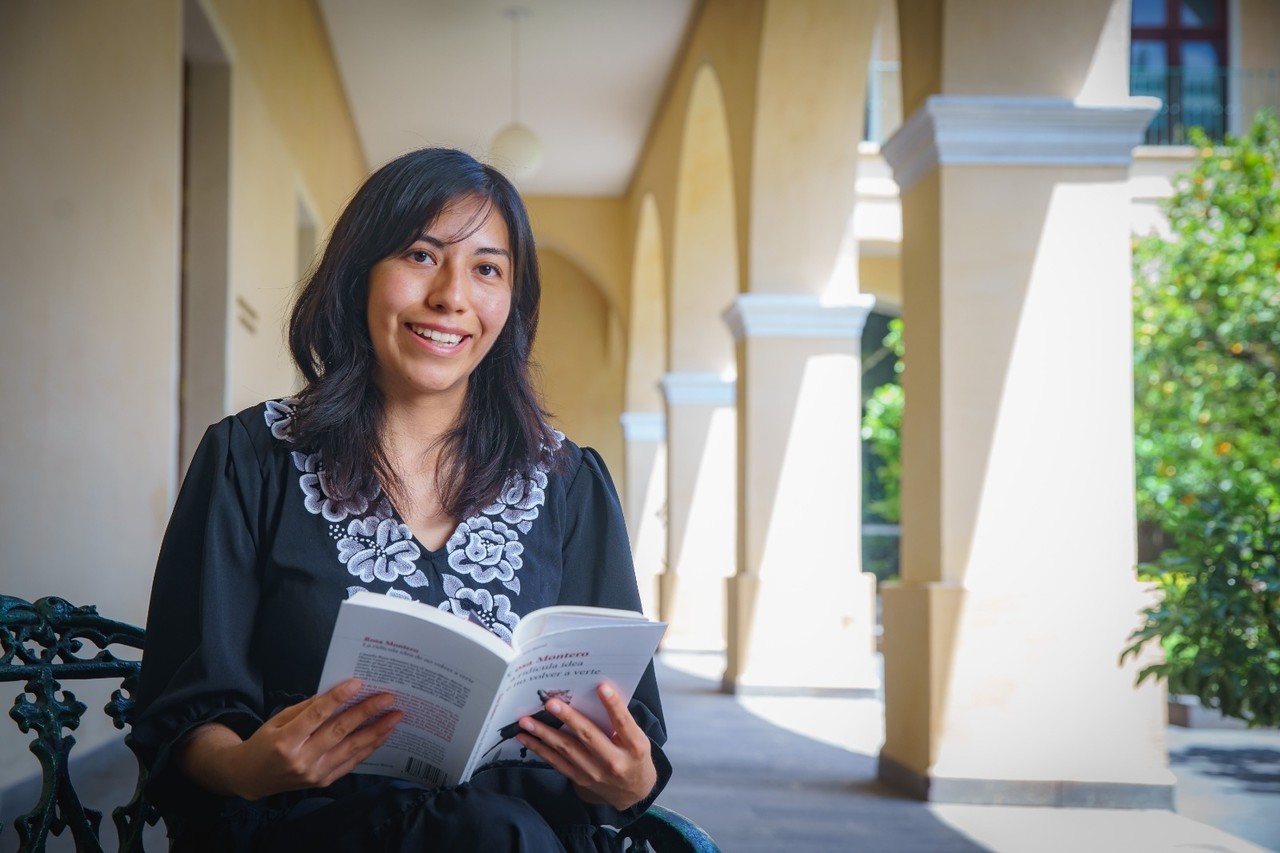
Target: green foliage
[882, 432]
[1207, 414]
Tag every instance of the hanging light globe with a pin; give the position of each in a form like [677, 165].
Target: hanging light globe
[516, 151]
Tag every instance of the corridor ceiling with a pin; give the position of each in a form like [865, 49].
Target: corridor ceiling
[438, 72]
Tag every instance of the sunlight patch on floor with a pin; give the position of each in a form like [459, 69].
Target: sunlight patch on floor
[1063, 830]
[853, 724]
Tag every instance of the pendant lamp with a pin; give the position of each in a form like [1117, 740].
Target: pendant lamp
[516, 149]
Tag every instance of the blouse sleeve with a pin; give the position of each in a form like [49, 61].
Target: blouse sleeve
[197, 666]
[598, 571]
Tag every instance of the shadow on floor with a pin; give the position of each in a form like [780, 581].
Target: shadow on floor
[758, 787]
[1258, 769]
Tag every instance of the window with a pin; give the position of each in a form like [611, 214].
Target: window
[1178, 53]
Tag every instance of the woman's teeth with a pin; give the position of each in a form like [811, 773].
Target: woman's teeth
[436, 337]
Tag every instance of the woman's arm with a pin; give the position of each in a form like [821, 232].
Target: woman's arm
[623, 772]
[303, 746]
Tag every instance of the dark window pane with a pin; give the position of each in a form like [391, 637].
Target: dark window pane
[1148, 13]
[1200, 56]
[1199, 13]
[1202, 89]
[1148, 56]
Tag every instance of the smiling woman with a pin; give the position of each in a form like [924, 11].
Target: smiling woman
[417, 431]
[436, 309]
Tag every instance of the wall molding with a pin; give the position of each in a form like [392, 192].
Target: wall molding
[644, 426]
[698, 389]
[796, 315]
[970, 130]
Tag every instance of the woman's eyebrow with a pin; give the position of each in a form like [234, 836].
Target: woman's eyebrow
[437, 243]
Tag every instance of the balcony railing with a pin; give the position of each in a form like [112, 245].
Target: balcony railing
[1218, 100]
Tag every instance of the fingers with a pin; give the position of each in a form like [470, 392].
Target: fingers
[617, 770]
[626, 732]
[364, 743]
[315, 726]
[320, 708]
[349, 723]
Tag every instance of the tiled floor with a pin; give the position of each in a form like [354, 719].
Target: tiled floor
[798, 774]
[795, 774]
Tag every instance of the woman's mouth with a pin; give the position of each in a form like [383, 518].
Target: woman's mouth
[436, 337]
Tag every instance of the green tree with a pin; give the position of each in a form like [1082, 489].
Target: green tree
[882, 432]
[1207, 360]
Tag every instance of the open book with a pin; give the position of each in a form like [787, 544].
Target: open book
[463, 690]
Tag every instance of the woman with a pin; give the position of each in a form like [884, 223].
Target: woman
[417, 437]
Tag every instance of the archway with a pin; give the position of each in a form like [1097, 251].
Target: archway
[701, 428]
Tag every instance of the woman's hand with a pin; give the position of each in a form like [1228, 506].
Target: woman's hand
[615, 770]
[303, 746]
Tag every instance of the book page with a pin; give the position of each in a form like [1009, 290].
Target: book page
[561, 616]
[566, 665]
[443, 675]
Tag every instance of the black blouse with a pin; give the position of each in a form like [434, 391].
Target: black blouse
[257, 559]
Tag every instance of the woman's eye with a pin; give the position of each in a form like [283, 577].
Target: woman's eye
[419, 256]
[489, 271]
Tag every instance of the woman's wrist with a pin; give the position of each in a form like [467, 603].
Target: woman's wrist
[207, 756]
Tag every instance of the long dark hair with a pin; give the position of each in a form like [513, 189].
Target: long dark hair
[502, 429]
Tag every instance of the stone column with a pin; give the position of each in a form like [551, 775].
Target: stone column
[701, 500]
[801, 611]
[644, 435]
[1001, 643]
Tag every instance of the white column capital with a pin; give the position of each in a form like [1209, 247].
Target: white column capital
[644, 426]
[698, 389]
[796, 315]
[966, 130]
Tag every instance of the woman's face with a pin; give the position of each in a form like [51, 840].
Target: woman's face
[436, 308]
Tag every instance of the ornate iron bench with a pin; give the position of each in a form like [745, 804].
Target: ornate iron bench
[43, 644]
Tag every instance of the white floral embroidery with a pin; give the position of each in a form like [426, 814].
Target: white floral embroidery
[374, 545]
[392, 593]
[485, 550]
[480, 606]
[279, 415]
[315, 486]
[520, 499]
[382, 549]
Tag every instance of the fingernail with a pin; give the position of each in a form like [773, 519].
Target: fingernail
[385, 702]
[606, 691]
[350, 689]
[554, 706]
[526, 724]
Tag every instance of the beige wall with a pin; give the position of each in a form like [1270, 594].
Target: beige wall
[90, 243]
[293, 144]
[1259, 34]
[283, 47]
[726, 37]
[89, 211]
[579, 369]
[264, 190]
[89, 207]
[592, 233]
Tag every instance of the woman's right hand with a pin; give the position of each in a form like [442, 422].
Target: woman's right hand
[303, 746]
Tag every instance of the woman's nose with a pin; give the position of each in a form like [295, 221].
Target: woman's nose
[448, 288]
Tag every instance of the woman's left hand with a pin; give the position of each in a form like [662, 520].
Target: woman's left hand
[615, 770]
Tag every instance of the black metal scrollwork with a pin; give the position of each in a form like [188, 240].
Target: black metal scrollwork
[41, 644]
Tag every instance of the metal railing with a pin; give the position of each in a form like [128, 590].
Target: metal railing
[1217, 100]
